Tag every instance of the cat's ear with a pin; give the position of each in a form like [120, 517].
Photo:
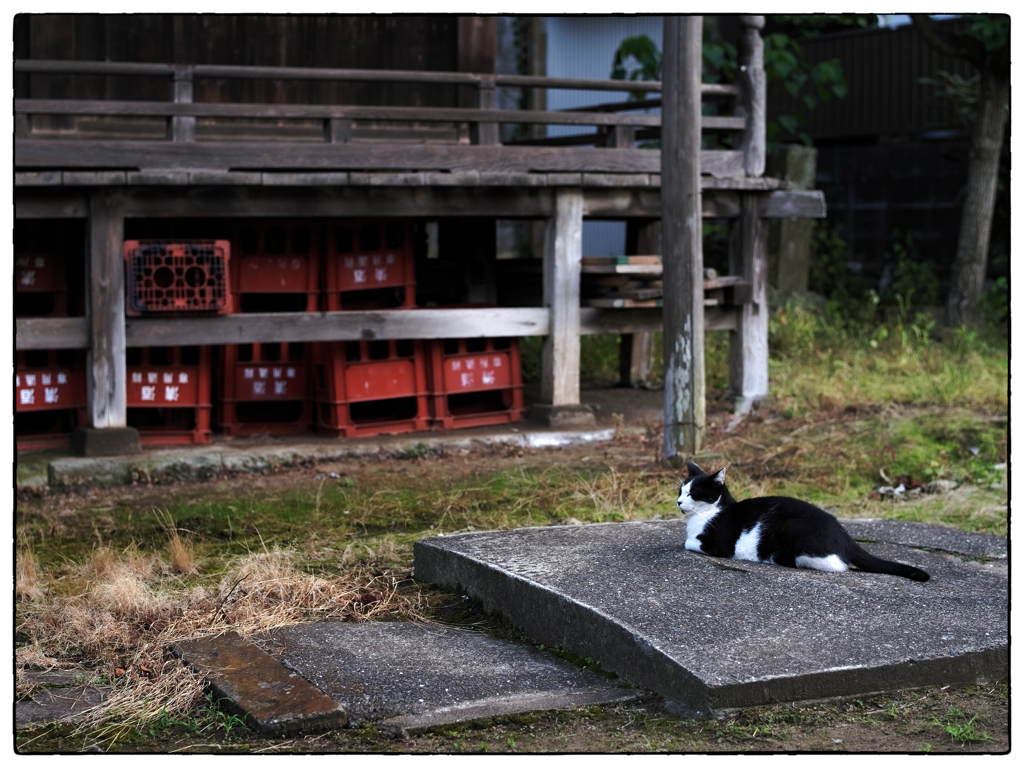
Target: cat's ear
[720, 476]
[694, 469]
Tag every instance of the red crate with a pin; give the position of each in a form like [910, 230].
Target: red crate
[169, 394]
[177, 277]
[370, 387]
[370, 264]
[42, 273]
[264, 389]
[273, 258]
[475, 382]
[49, 397]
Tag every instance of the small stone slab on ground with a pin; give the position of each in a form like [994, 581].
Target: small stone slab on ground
[57, 703]
[409, 677]
[272, 699]
[710, 633]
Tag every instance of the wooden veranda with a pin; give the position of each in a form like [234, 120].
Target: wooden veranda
[106, 161]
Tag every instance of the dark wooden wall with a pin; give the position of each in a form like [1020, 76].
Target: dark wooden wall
[441, 43]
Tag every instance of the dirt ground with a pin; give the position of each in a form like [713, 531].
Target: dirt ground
[970, 719]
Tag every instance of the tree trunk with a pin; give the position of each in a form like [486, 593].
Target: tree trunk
[969, 266]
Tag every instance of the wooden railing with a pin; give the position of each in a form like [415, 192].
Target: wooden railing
[185, 143]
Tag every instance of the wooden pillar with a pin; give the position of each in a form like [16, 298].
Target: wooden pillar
[105, 370]
[486, 98]
[183, 128]
[643, 236]
[682, 247]
[748, 344]
[560, 357]
[753, 99]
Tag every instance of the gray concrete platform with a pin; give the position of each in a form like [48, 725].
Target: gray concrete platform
[407, 678]
[710, 634]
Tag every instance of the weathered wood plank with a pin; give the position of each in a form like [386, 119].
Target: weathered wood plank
[51, 333]
[73, 332]
[51, 203]
[105, 370]
[533, 202]
[682, 241]
[753, 99]
[71, 154]
[563, 251]
[183, 127]
[268, 155]
[806, 203]
[486, 113]
[351, 75]
[339, 326]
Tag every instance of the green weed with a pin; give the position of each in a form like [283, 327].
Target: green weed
[961, 729]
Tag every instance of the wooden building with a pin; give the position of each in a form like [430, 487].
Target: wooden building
[130, 128]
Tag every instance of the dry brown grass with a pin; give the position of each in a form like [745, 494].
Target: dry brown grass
[26, 577]
[117, 614]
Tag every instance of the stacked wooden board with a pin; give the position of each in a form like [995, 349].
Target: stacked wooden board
[635, 281]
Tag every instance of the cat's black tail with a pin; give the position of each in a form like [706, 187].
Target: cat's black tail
[862, 559]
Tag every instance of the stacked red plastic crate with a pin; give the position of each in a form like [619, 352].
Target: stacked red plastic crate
[169, 394]
[370, 387]
[49, 384]
[264, 388]
[169, 388]
[475, 382]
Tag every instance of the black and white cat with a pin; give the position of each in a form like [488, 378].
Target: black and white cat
[771, 529]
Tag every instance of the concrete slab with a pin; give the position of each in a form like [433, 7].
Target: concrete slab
[410, 677]
[203, 462]
[708, 633]
[272, 700]
[923, 536]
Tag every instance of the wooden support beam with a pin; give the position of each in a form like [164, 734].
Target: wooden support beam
[753, 99]
[748, 344]
[563, 253]
[183, 128]
[73, 332]
[72, 154]
[642, 237]
[683, 256]
[106, 387]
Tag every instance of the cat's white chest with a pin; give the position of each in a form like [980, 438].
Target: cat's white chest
[699, 516]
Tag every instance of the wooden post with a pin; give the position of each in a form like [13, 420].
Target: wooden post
[682, 247]
[753, 98]
[642, 237]
[619, 137]
[748, 344]
[183, 128]
[560, 357]
[486, 98]
[105, 369]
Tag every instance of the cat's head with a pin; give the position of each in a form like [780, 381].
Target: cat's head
[702, 490]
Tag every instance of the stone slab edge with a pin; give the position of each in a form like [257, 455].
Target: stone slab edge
[272, 699]
[409, 725]
[200, 463]
[552, 618]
